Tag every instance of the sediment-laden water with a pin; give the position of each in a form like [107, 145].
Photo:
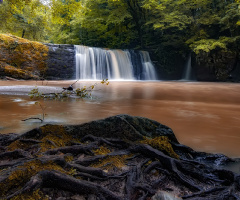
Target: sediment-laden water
[204, 116]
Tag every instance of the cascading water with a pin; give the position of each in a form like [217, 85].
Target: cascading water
[97, 63]
[188, 73]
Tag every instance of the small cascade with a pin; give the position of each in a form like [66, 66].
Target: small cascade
[148, 68]
[96, 63]
[187, 73]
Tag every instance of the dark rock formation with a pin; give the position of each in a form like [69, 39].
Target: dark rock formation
[120, 157]
[60, 62]
[216, 66]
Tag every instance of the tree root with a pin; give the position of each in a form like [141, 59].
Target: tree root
[75, 149]
[16, 154]
[138, 171]
[64, 182]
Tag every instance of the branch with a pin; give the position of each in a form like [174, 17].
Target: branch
[33, 118]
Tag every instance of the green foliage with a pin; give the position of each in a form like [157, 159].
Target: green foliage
[207, 45]
[28, 19]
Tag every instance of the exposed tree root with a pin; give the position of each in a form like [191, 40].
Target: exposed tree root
[64, 182]
[107, 168]
[75, 149]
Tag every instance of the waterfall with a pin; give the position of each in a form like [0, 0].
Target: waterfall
[148, 68]
[96, 63]
[187, 73]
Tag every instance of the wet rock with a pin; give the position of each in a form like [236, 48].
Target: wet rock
[61, 198]
[123, 127]
[60, 62]
[78, 197]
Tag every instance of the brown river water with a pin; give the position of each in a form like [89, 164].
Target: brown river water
[204, 116]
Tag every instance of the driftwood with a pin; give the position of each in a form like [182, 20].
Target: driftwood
[106, 168]
[37, 118]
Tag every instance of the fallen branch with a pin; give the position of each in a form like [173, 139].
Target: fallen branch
[33, 118]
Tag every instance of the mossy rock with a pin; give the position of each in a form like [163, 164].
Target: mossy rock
[21, 58]
[123, 127]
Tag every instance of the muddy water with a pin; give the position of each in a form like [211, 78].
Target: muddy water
[204, 116]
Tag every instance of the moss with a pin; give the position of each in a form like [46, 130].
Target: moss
[68, 158]
[25, 55]
[101, 151]
[161, 143]
[23, 174]
[18, 145]
[111, 162]
[36, 195]
[52, 136]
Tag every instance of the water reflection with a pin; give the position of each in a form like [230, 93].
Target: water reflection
[204, 116]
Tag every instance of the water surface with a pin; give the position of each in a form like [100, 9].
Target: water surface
[204, 116]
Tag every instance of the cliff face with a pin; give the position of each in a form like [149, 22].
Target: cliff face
[60, 62]
[24, 59]
[217, 66]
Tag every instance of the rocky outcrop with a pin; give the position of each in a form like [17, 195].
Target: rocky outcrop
[24, 59]
[60, 62]
[120, 157]
[21, 58]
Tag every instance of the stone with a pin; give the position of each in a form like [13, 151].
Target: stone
[78, 197]
[123, 127]
[162, 195]
[61, 198]
[92, 197]
[60, 62]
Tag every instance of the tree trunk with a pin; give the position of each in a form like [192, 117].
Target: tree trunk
[23, 33]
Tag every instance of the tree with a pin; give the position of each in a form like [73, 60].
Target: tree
[62, 13]
[27, 18]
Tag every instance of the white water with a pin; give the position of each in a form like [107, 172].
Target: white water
[148, 68]
[96, 64]
[187, 73]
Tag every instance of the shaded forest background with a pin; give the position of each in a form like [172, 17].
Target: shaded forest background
[167, 29]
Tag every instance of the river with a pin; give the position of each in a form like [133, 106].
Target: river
[204, 116]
